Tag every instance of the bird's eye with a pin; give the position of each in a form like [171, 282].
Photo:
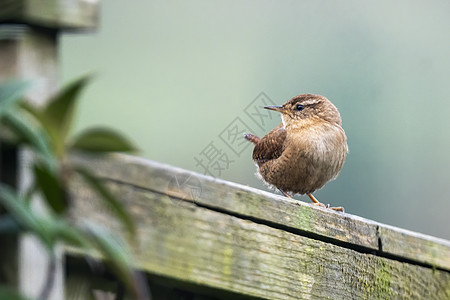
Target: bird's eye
[299, 107]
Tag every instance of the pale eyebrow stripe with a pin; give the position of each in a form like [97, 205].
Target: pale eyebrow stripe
[311, 102]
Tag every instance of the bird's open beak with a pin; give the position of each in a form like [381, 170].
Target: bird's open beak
[275, 108]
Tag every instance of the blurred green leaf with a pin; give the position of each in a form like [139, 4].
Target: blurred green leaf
[20, 210]
[16, 206]
[52, 187]
[57, 116]
[47, 229]
[69, 234]
[109, 199]
[35, 112]
[7, 293]
[25, 133]
[113, 251]
[102, 140]
[11, 92]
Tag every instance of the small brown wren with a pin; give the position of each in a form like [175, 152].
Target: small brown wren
[306, 150]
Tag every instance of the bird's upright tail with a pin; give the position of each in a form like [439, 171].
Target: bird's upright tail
[252, 138]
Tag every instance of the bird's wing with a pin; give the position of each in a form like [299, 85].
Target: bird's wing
[271, 146]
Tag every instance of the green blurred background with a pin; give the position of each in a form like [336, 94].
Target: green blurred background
[173, 75]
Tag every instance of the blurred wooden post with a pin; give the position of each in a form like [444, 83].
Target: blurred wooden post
[29, 31]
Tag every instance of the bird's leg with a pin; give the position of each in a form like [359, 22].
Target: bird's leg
[285, 194]
[313, 199]
[316, 202]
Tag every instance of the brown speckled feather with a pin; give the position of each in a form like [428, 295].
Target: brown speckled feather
[270, 146]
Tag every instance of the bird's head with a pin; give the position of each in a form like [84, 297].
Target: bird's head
[307, 108]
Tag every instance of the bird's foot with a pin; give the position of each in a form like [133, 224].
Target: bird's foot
[338, 208]
[320, 204]
[316, 202]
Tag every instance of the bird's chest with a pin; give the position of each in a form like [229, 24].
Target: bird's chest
[315, 148]
[312, 143]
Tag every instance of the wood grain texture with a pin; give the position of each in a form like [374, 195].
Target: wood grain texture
[182, 240]
[30, 54]
[52, 14]
[277, 211]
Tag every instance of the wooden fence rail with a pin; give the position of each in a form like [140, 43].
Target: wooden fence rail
[228, 237]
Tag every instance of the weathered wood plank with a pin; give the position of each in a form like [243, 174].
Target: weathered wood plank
[30, 54]
[422, 248]
[182, 240]
[270, 208]
[52, 14]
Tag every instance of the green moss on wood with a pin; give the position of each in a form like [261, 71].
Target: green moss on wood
[383, 275]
